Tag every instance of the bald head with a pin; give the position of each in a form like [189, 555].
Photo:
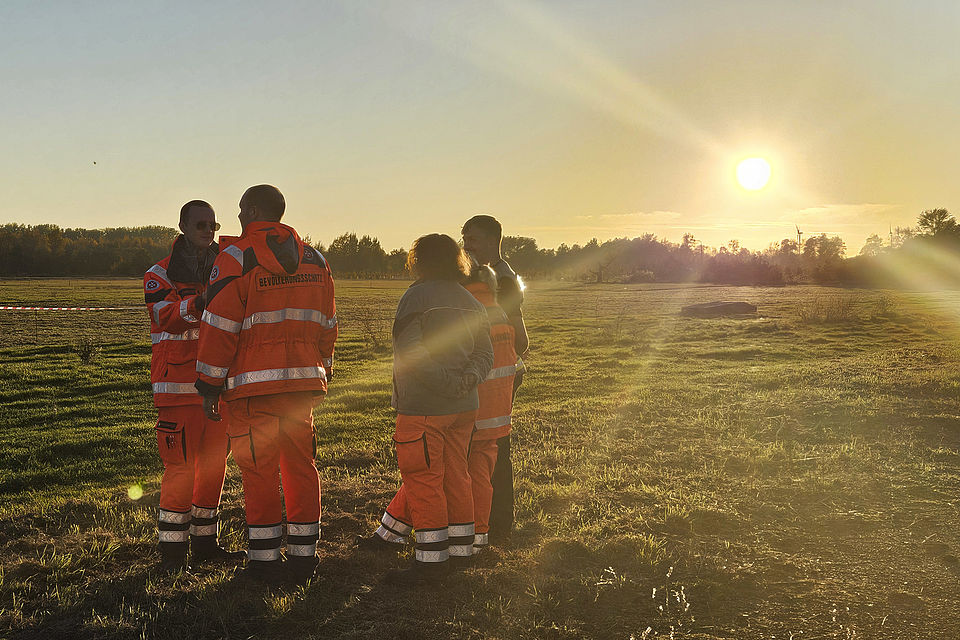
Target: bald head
[262, 202]
[267, 199]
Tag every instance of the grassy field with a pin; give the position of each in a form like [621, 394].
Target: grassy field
[794, 474]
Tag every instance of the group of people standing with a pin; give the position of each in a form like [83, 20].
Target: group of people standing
[243, 337]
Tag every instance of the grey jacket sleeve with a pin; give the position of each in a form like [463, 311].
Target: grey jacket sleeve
[416, 359]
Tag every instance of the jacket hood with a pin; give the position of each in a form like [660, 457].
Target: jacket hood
[278, 247]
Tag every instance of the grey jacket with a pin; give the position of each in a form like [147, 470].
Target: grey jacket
[440, 334]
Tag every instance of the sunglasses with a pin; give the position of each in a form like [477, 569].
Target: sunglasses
[214, 226]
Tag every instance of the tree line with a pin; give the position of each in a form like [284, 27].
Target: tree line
[928, 251]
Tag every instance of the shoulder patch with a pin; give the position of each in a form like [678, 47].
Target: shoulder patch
[152, 285]
[214, 273]
[312, 256]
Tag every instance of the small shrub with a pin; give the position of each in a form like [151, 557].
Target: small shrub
[639, 276]
[884, 307]
[87, 349]
[374, 325]
[831, 310]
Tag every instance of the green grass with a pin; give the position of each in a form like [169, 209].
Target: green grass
[793, 473]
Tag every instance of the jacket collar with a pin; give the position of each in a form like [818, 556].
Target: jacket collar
[184, 264]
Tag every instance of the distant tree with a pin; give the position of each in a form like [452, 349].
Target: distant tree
[900, 235]
[788, 246]
[873, 246]
[936, 222]
[823, 256]
[343, 254]
[397, 262]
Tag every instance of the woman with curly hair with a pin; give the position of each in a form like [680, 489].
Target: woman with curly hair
[441, 352]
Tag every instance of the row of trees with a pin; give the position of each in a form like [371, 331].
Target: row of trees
[48, 250]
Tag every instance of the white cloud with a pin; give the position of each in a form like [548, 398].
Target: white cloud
[645, 217]
[844, 214]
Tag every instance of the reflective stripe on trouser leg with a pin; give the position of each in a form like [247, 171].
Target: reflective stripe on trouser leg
[204, 522]
[461, 540]
[173, 526]
[432, 545]
[480, 541]
[302, 538]
[393, 529]
[264, 542]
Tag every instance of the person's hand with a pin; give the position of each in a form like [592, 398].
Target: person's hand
[211, 407]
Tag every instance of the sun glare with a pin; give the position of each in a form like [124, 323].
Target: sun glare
[753, 174]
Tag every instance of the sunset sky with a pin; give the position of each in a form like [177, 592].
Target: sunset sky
[566, 120]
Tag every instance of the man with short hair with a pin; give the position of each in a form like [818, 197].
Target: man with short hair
[266, 348]
[193, 448]
[482, 238]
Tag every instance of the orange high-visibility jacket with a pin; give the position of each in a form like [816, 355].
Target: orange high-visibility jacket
[174, 307]
[270, 321]
[496, 392]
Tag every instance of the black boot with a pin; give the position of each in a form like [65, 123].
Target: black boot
[301, 569]
[376, 544]
[206, 549]
[263, 572]
[173, 557]
[461, 563]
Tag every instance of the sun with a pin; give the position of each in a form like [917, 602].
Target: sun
[753, 174]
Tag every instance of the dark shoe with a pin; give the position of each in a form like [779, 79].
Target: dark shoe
[173, 557]
[264, 573]
[301, 569]
[461, 563]
[484, 556]
[376, 544]
[206, 549]
[419, 573]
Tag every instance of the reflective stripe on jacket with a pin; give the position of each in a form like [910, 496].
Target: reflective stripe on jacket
[270, 322]
[174, 328]
[496, 392]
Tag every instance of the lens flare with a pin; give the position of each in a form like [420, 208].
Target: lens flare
[135, 492]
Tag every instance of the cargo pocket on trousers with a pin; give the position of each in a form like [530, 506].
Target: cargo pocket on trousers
[412, 455]
[240, 444]
[170, 442]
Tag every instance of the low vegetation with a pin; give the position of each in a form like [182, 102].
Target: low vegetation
[773, 476]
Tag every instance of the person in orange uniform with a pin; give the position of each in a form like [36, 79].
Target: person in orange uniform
[192, 447]
[496, 401]
[482, 239]
[441, 352]
[266, 349]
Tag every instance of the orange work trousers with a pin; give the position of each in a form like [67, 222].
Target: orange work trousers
[483, 458]
[272, 440]
[436, 497]
[194, 453]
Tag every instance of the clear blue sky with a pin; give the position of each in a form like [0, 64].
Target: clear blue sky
[567, 120]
